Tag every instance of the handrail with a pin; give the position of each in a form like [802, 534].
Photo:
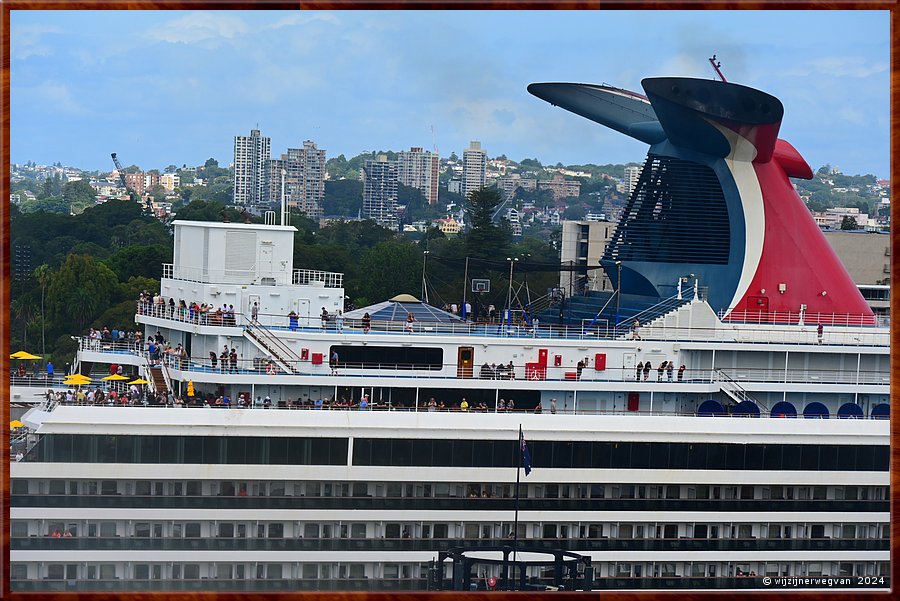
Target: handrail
[672, 302]
[736, 390]
[253, 326]
[735, 315]
[764, 333]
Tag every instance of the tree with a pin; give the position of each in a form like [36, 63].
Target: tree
[143, 261]
[81, 290]
[389, 268]
[485, 239]
[343, 197]
[47, 188]
[79, 195]
[849, 223]
[46, 204]
[43, 274]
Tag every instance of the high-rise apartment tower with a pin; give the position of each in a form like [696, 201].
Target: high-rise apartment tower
[251, 155]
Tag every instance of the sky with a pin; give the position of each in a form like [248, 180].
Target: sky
[175, 87]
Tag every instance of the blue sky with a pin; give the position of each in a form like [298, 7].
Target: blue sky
[173, 87]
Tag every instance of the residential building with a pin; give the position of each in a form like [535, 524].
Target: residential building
[448, 225]
[151, 179]
[136, 181]
[507, 185]
[380, 191]
[303, 179]
[420, 169]
[251, 155]
[170, 181]
[474, 168]
[583, 244]
[632, 173]
[454, 186]
[561, 187]
[515, 224]
[865, 255]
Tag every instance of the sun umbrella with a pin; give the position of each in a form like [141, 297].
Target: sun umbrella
[139, 381]
[23, 355]
[115, 377]
[76, 379]
[15, 424]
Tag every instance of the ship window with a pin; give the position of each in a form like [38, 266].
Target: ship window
[421, 453]
[388, 357]
[19, 486]
[18, 571]
[191, 571]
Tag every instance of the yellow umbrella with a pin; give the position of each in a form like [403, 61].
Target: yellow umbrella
[77, 379]
[23, 355]
[15, 424]
[139, 381]
[116, 377]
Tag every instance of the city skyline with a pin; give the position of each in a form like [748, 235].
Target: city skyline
[176, 87]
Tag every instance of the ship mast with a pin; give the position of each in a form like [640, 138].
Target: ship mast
[715, 65]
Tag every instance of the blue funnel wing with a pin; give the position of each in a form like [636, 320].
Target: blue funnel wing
[626, 112]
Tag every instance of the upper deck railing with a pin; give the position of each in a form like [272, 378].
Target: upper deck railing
[302, 277]
[763, 333]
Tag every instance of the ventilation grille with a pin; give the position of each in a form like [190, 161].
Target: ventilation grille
[676, 214]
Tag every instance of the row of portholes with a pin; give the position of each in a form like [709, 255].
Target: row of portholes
[814, 410]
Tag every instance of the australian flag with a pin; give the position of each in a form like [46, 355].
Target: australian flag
[526, 456]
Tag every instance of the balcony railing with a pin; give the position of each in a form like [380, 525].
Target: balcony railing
[589, 330]
[369, 503]
[302, 277]
[565, 373]
[220, 543]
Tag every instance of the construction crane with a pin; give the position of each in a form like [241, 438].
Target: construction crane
[148, 206]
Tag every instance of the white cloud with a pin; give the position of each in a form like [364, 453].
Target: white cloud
[26, 41]
[206, 28]
[839, 66]
[304, 18]
[53, 94]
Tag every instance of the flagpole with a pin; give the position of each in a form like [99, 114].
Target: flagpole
[516, 523]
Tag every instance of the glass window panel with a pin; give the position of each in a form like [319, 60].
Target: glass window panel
[362, 451]
[278, 450]
[620, 455]
[148, 447]
[235, 449]
[462, 453]
[421, 453]
[696, 456]
[401, 452]
[193, 450]
[734, 457]
[483, 453]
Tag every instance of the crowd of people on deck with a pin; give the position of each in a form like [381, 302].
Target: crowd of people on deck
[666, 367]
[156, 305]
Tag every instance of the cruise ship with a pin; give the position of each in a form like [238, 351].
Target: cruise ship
[360, 453]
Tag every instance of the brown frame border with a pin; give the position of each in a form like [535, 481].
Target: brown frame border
[687, 595]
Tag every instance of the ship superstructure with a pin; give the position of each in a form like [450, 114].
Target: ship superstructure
[752, 442]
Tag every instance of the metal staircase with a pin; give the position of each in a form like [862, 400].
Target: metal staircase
[734, 390]
[159, 376]
[270, 344]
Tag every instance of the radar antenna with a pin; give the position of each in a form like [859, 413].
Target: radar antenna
[715, 65]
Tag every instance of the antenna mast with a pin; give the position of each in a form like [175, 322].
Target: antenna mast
[715, 65]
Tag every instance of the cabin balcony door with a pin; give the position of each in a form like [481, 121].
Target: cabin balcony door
[464, 361]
